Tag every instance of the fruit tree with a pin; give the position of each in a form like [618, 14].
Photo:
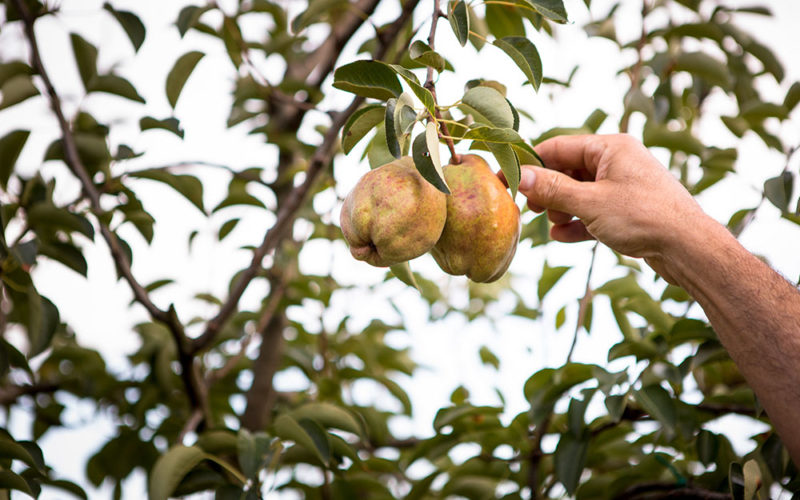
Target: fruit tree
[180, 312]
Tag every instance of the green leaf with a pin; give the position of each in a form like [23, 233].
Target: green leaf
[427, 160]
[67, 486]
[403, 272]
[317, 11]
[17, 89]
[524, 54]
[188, 186]
[253, 451]
[189, 16]
[113, 84]
[233, 40]
[237, 193]
[171, 467]
[67, 254]
[48, 215]
[226, 228]
[778, 190]
[792, 97]
[329, 415]
[377, 150]
[359, 124]
[131, 23]
[488, 106]
[551, 9]
[764, 54]
[86, 58]
[736, 481]
[595, 119]
[423, 94]
[616, 406]
[306, 434]
[504, 20]
[390, 130]
[658, 135]
[367, 79]
[13, 68]
[657, 402]
[707, 446]
[509, 164]
[491, 134]
[404, 115]
[396, 391]
[11, 146]
[752, 478]
[12, 481]
[550, 276]
[459, 21]
[488, 357]
[422, 53]
[168, 124]
[179, 73]
[10, 449]
[569, 460]
[705, 66]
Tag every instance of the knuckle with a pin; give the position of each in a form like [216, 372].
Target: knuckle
[552, 189]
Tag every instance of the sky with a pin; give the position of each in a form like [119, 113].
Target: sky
[98, 307]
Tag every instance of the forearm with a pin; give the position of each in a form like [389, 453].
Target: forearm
[756, 314]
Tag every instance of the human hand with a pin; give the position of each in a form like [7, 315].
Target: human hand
[619, 193]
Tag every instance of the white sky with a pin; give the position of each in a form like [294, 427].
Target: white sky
[97, 307]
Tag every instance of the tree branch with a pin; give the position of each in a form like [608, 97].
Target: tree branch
[656, 490]
[10, 394]
[535, 457]
[75, 164]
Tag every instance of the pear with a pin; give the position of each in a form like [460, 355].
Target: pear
[482, 230]
[392, 214]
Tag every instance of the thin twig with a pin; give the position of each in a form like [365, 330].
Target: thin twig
[583, 305]
[636, 72]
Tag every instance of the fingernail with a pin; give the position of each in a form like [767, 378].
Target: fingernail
[527, 179]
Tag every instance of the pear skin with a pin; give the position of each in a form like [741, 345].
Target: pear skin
[482, 230]
[392, 215]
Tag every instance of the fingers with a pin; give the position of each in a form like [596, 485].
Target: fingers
[556, 192]
[570, 232]
[572, 152]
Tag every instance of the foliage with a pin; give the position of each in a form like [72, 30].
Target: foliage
[636, 431]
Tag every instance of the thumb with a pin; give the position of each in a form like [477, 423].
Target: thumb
[554, 190]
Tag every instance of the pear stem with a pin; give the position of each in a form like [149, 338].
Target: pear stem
[444, 133]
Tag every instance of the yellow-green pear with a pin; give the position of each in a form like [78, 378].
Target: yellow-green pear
[482, 230]
[392, 214]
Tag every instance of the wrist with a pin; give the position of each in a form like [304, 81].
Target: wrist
[699, 254]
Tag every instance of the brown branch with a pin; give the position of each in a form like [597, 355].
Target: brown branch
[261, 396]
[75, 164]
[535, 457]
[10, 394]
[655, 490]
[286, 214]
